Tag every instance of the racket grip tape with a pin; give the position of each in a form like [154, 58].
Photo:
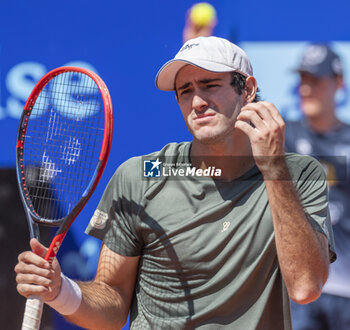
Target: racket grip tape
[32, 313]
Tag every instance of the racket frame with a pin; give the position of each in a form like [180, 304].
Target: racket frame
[65, 222]
[34, 304]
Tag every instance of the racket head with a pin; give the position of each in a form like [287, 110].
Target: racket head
[63, 143]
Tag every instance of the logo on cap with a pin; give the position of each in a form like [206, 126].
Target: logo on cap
[314, 55]
[320, 60]
[188, 46]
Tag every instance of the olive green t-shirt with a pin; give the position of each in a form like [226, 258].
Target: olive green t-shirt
[207, 250]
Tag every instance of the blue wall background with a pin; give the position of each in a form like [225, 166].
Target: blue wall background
[126, 42]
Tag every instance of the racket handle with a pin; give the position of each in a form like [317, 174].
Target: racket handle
[32, 313]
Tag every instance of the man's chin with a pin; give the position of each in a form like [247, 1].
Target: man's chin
[207, 135]
[208, 138]
[311, 110]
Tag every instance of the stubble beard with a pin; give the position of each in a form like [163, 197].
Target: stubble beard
[217, 134]
[214, 135]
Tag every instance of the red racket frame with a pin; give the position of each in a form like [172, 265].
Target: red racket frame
[32, 315]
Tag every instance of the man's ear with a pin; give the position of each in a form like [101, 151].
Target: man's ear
[339, 82]
[251, 89]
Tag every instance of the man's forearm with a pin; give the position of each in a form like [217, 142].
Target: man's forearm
[302, 252]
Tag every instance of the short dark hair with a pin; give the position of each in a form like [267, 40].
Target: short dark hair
[238, 83]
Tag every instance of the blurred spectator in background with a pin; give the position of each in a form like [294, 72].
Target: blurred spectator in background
[200, 21]
[321, 134]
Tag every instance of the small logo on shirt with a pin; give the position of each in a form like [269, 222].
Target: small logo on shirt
[152, 168]
[99, 220]
[225, 226]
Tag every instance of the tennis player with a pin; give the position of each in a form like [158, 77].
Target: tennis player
[214, 233]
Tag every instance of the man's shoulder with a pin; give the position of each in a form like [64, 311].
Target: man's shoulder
[303, 165]
[293, 157]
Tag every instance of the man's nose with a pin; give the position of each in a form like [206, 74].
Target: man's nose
[305, 89]
[199, 103]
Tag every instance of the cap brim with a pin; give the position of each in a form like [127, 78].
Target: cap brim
[314, 73]
[165, 79]
[301, 70]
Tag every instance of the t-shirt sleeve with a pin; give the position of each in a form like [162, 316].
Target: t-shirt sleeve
[115, 220]
[312, 189]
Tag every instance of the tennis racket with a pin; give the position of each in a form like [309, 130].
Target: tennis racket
[64, 139]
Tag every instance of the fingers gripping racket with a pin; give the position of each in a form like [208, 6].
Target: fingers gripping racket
[63, 143]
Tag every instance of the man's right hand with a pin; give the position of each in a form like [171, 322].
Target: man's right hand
[35, 275]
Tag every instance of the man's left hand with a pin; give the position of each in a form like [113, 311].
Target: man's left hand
[265, 129]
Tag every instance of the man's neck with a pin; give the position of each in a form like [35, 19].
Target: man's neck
[324, 123]
[233, 158]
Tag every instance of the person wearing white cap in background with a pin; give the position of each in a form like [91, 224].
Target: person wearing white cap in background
[218, 232]
[320, 133]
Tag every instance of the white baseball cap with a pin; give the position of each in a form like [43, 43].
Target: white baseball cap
[208, 53]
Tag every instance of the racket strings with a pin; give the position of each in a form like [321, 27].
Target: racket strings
[62, 143]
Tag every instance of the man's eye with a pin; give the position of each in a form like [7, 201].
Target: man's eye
[212, 85]
[186, 91]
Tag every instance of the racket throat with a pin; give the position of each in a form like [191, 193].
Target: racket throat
[34, 231]
[54, 247]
